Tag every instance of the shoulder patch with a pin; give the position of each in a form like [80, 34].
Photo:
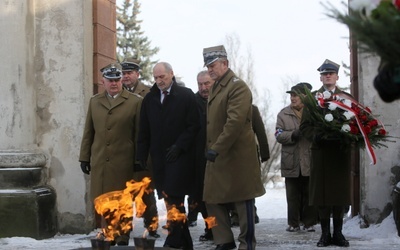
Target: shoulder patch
[235, 79]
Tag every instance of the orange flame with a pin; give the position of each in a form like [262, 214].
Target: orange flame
[154, 224]
[117, 207]
[211, 222]
[175, 215]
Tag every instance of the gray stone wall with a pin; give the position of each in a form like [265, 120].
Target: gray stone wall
[377, 181]
[18, 101]
[47, 51]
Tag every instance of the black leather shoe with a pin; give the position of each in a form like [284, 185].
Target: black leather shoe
[325, 240]
[154, 234]
[339, 240]
[206, 236]
[226, 246]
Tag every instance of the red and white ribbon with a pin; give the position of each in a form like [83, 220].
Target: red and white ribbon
[322, 102]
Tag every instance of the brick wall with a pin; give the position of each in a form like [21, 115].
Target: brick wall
[104, 38]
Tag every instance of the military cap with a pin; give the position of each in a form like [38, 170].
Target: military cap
[130, 64]
[212, 54]
[329, 67]
[112, 71]
[299, 88]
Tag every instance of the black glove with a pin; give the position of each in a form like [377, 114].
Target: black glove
[211, 155]
[141, 166]
[172, 153]
[296, 135]
[85, 166]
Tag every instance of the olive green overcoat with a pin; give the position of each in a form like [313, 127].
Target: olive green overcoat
[109, 140]
[235, 175]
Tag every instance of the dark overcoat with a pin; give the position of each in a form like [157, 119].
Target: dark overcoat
[330, 167]
[108, 141]
[235, 175]
[142, 90]
[200, 160]
[173, 122]
[261, 135]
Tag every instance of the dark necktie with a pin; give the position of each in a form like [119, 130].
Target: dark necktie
[165, 93]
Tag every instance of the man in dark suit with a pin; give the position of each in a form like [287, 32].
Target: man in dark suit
[169, 123]
[130, 81]
[329, 170]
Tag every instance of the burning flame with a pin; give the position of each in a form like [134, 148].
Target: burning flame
[175, 215]
[116, 207]
[210, 222]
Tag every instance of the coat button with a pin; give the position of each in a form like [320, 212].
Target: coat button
[107, 159]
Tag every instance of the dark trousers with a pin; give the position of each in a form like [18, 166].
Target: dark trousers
[196, 207]
[325, 212]
[298, 209]
[150, 215]
[178, 230]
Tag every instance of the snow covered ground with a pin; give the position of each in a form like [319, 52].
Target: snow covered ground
[271, 233]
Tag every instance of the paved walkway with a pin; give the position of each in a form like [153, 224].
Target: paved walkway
[274, 236]
[271, 234]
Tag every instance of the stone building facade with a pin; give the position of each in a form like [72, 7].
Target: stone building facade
[51, 53]
[377, 181]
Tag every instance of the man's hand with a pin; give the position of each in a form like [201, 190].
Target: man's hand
[211, 155]
[141, 166]
[172, 153]
[85, 166]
